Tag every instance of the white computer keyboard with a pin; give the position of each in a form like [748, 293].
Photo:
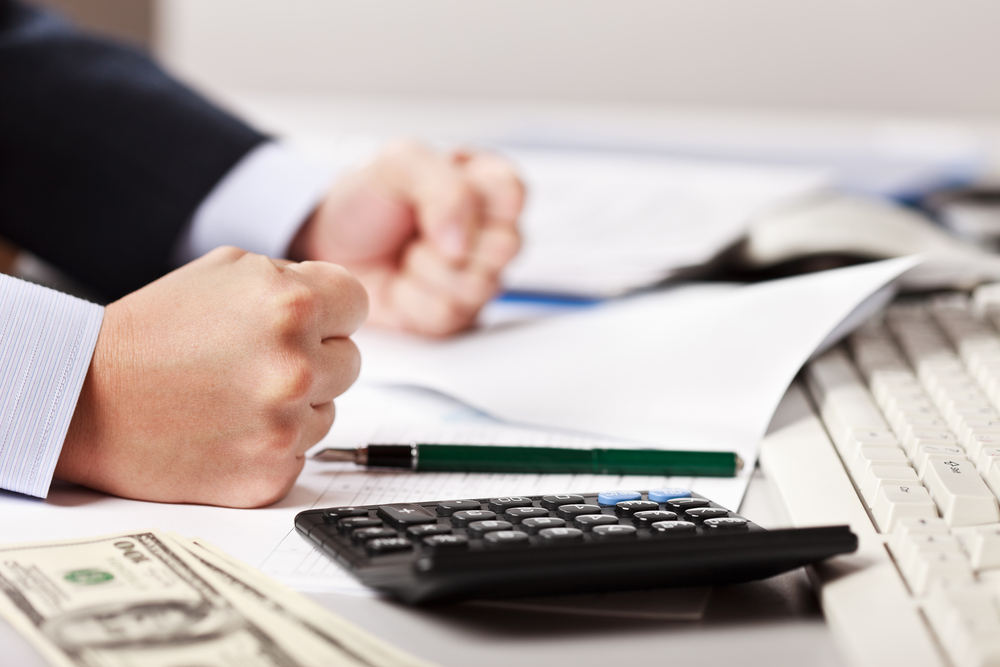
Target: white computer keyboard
[910, 405]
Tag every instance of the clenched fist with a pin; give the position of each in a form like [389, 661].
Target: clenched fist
[426, 232]
[209, 384]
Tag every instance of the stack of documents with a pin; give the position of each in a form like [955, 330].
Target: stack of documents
[600, 225]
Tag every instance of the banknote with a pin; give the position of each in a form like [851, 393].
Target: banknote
[144, 598]
[309, 621]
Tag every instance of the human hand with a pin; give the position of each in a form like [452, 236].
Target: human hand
[209, 384]
[426, 233]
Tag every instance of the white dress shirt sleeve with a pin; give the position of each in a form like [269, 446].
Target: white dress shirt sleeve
[46, 341]
[258, 206]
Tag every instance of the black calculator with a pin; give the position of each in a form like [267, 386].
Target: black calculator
[562, 543]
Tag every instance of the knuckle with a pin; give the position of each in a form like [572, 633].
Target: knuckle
[287, 383]
[292, 308]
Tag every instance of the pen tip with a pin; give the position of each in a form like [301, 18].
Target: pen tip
[739, 463]
[331, 454]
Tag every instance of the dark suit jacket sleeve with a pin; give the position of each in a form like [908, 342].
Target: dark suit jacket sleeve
[103, 156]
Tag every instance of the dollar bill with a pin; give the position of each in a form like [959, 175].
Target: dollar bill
[144, 598]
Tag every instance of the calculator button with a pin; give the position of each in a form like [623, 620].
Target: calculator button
[333, 514]
[360, 535]
[449, 507]
[618, 532]
[500, 504]
[726, 523]
[552, 502]
[672, 527]
[568, 512]
[629, 507]
[381, 545]
[518, 514]
[404, 516]
[663, 495]
[588, 521]
[645, 519]
[447, 542]
[468, 516]
[610, 498]
[479, 528]
[503, 539]
[541, 523]
[560, 535]
[702, 513]
[428, 529]
[686, 503]
[348, 524]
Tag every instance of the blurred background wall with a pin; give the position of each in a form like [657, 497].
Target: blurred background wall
[913, 56]
[910, 56]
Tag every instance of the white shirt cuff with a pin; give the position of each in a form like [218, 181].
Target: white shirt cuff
[46, 341]
[258, 206]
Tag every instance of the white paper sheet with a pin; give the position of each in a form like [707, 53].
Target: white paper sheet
[601, 224]
[699, 367]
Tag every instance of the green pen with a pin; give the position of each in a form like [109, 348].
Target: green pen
[431, 457]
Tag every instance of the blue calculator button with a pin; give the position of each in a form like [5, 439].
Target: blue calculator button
[663, 495]
[615, 497]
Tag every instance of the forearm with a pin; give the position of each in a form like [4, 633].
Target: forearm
[103, 157]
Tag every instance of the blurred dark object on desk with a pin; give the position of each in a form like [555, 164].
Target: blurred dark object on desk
[972, 213]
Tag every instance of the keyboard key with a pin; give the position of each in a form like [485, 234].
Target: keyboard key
[977, 442]
[726, 523]
[630, 507]
[920, 437]
[960, 492]
[686, 503]
[533, 526]
[869, 436]
[451, 506]
[552, 502]
[702, 513]
[334, 514]
[347, 524]
[612, 533]
[903, 501]
[560, 535]
[907, 528]
[477, 529]
[588, 521]
[359, 535]
[672, 527]
[876, 455]
[404, 516]
[905, 550]
[428, 529]
[967, 623]
[466, 517]
[500, 504]
[663, 495]
[993, 478]
[986, 458]
[505, 539]
[925, 453]
[878, 476]
[447, 542]
[645, 519]
[569, 512]
[611, 498]
[518, 514]
[929, 567]
[383, 545]
[982, 544]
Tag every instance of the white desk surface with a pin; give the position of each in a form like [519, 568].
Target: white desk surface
[773, 622]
